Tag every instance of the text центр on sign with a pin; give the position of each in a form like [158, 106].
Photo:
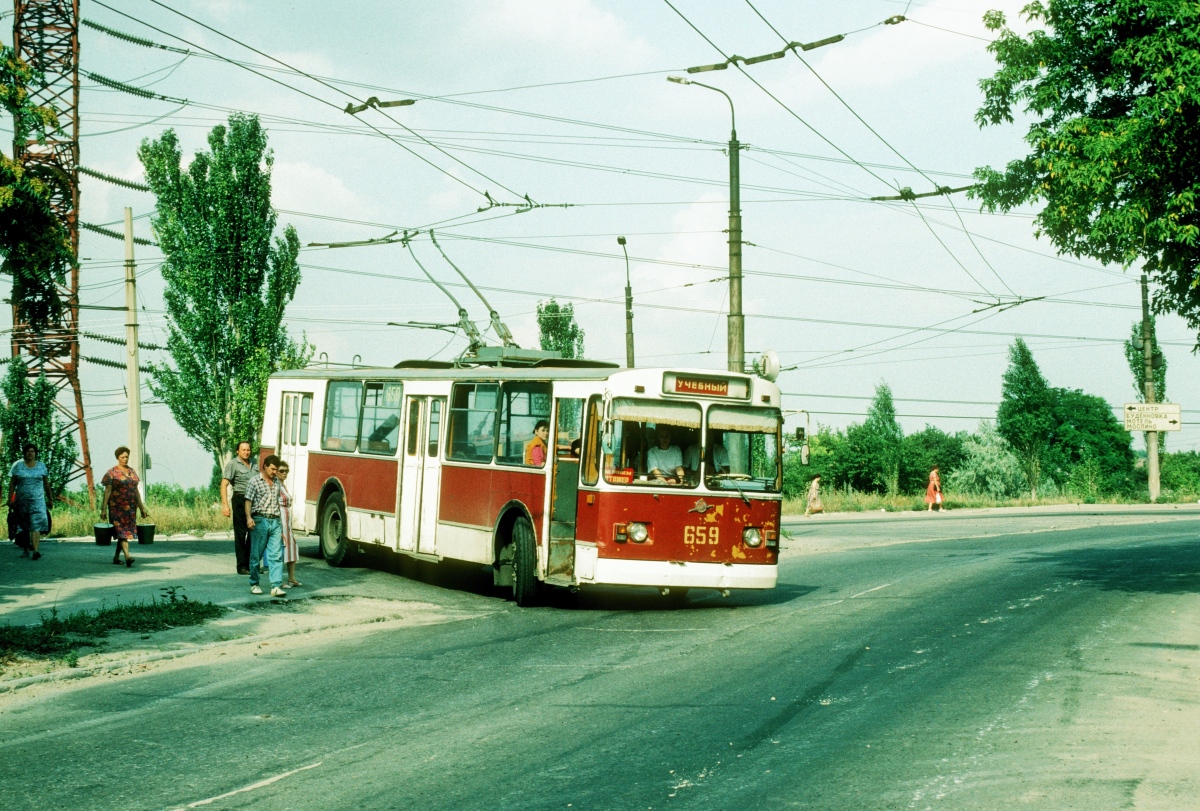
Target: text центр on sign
[1153, 417]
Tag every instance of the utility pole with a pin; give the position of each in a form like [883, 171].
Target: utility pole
[736, 347]
[133, 382]
[737, 321]
[628, 308]
[1148, 359]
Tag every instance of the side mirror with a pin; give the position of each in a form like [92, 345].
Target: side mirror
[800, 436]
[804, 454]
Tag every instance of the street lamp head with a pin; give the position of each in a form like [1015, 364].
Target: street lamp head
[679, 80]
[620, 240]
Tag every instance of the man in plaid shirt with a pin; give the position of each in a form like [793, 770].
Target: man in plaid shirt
[262, 519]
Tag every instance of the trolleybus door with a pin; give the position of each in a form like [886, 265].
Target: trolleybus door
[564, 487]
[431, 475]
[295, 416]
[412, 468]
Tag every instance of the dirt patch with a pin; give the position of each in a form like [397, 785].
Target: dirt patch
[242, 631]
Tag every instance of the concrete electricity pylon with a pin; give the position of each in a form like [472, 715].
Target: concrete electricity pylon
[46, 36]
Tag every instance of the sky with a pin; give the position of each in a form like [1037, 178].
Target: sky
[567, 101]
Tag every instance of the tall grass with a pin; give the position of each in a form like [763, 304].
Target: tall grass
[173, 509]
[853, 501]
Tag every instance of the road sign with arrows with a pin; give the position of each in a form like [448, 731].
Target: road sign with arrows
[1153, 417]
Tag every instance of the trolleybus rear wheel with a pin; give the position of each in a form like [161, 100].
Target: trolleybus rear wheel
[525, 581]
[335, 546]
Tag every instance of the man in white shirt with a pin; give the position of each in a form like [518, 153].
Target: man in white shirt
[665, 461]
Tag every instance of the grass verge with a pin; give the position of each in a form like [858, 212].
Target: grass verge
[838, 501]
[195, 519]
[64, 636]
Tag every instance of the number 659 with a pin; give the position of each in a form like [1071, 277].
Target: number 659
[701, 535]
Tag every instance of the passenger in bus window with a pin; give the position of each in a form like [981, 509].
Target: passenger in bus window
[718, 457]
[535, 449]
[631, 446]
[664, 460]
[576, 444]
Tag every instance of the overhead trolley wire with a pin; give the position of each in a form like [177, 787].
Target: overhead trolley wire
[777, 100]
[884, 141]
[324, 83]
[294, 89]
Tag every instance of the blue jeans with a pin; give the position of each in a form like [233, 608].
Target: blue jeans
[266, 542]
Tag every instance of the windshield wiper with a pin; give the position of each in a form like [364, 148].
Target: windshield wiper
[732, 479]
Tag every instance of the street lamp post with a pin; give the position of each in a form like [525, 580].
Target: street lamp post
[628, 308]
[737, 323]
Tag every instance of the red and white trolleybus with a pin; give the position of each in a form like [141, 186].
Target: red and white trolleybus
[668, 478]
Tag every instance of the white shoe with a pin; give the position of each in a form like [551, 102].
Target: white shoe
[278, 593]
[255, 589]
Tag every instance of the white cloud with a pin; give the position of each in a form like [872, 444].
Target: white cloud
[576, 26]
[305, 187]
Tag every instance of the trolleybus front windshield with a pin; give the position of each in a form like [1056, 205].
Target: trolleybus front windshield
[645, 441]
[741, 451]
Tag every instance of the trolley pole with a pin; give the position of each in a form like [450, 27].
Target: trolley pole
[133, 383]
[628, 308]
[1148, 359]
[736, 347]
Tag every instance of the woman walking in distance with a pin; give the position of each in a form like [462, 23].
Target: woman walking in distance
[121, 503]
[814, 498]
[291, 552]
[30, 488]
[933, 493]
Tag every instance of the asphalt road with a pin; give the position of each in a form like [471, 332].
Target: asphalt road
[953, 672]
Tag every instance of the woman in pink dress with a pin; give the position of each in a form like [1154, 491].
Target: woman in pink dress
[291, 552]
[121, 503]
[933, 493]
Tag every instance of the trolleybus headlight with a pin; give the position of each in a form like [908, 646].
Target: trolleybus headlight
[637, 532]
[752, 537]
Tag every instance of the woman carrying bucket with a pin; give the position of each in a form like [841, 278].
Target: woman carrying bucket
[121, 503]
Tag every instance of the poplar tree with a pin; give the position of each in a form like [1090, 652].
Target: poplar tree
[228, 281]
[885, 437]
[1134, 355]
[1025, 418]
[557, 329]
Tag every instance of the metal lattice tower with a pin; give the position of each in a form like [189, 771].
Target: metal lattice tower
[46, 36]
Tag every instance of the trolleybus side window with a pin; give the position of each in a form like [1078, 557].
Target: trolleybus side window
[435, 427]
[342, 406]
[591, 442]
[741, 451]
[381, 418]
[285, 433]
[472, 435]
[524, 407]
[305, 413]
[647, 441]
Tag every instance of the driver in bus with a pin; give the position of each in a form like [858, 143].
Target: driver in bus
[664, 460]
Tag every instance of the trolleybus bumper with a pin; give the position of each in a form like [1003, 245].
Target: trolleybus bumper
[680, 574]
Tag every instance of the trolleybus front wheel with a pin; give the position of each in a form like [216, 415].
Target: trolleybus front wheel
[525, 582]
[335, 546]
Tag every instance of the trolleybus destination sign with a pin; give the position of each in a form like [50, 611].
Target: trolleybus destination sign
[697, 385]
[1153, 417]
